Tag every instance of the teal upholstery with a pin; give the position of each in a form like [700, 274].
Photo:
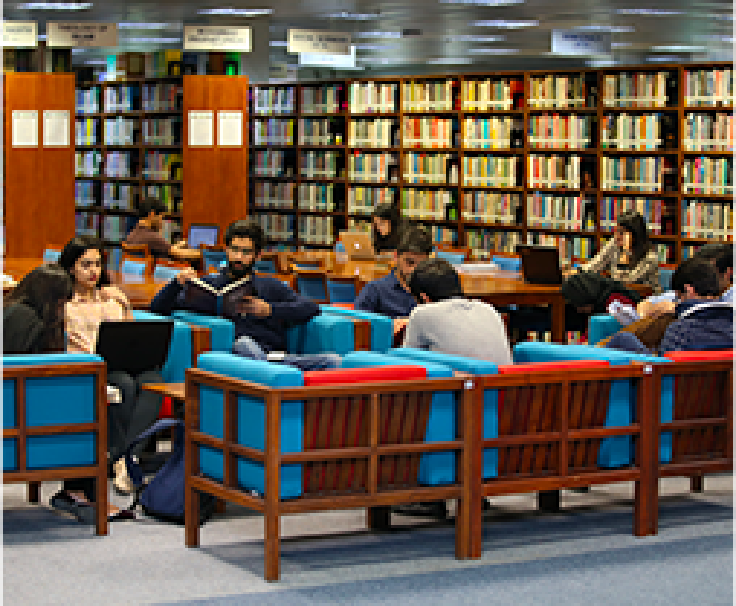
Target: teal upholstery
[601, 327]
[665, 278]
[251, 420]
[615, 451]
[213, 260]
[132, 267]
[51, 400]
[450, 257]
[51, 255]
[507, 263]
[164, 273]
[222, 331]
[382, 327]
[180, 349]
[341, 292]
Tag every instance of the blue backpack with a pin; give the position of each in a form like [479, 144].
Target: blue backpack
[163, 496]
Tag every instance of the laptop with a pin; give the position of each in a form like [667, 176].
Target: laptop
[134, 347]
[358, 245]
[200, 233]
[540, 264]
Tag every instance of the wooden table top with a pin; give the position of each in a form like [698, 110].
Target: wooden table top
[172, 390]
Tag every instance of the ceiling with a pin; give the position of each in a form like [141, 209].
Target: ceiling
[410, 36]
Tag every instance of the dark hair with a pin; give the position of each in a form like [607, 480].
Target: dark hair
[437, 279]
[633, 222]
[725, 260]
[415, 240]
[149, 205]
[75, 248]
[710, 251]
[698, 273]
[390, 212]
[245, 229]
[44, 290]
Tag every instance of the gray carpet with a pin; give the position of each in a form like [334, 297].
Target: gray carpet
[584, 555]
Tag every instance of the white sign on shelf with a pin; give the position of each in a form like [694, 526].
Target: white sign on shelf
[56, 128]
[316, 41]
[230, 129]
[574, 42]
[326, 60]
[20, 33]
[201, 128]
[25, 128]
[217, 38]
[68, 34]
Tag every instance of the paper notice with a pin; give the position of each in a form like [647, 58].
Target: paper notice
[56, 128]
[25, 128]
[230, 129]
[201, 128]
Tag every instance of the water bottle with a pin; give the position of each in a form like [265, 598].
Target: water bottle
[341, 255]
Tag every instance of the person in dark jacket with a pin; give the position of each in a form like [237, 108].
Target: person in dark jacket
[33, 313]
[261, 324]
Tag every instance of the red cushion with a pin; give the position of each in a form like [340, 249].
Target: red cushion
[715, 355]
[344, 305]
[346, 376]
[166, 410]
[542, 366]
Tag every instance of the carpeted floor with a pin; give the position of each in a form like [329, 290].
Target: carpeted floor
[584, 555]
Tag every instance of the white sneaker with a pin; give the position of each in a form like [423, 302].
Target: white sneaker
[122, 482]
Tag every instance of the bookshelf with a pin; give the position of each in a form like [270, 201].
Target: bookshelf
[129, 146]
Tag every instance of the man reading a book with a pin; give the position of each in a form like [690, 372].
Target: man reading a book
[260, 307]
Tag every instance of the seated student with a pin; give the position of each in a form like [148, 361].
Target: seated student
[387, 227]
[94, 301]
[260, 327]
[148, 231]
[448, 322]
[390, 295]
[703, 321]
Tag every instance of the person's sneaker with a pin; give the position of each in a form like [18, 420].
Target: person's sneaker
[82, 510]
[435, 509]
[122, 483]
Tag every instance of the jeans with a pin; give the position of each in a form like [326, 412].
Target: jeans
[248, 348]
[627, 341]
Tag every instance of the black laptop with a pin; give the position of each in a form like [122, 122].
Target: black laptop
[540, 264]
[134, 347]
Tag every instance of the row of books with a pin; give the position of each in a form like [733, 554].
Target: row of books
[484, 242]
[708, 87]
[85, 131]
[321, 164]
[162, 131]
[638, 174]
[645, 131]
[559, 212]
[323, 99]
[553, 171]
[318, 132]
[374, 167]
[317, 197]
[314, 229]
[120, 131]
[490, 207]
[430, 168]
[163, 166]
[87, 224]
[560, 131]
[273, 132]
[444, 235]
[639, 89]
[665, 252]
[498, 132]
[372, 97]
[707, 220]
[361, 225]
[87, 100]
[273, 100]
[428, 95]
[271, 194]
[124, 98]
[115, 228]
[156, 64]
[708, 132]
[170, 195]
[570, 247]
[558, 91]
[489, 94]
[431, 132]
[162, 96]
[87, 163]
[118, 195]
[84, 193]
[708, 176]
[425, 204]
[121, 164]
[490, 171]
[363, 200]
[277, 226]
[612, 207]
[270, 163]
[374, 132]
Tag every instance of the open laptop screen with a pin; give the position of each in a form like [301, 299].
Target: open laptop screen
[202, 234]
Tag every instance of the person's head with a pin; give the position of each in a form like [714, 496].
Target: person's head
[632, 225]
[45, 289]
[243, 245]
[414, 247]
[386, 218]
[82, 257]
[435, 280]
[696, 279]
[720, 256]
[152, 210]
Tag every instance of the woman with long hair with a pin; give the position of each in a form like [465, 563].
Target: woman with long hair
[387, 227]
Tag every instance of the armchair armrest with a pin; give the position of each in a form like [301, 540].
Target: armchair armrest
[601, 327]
[325, 333]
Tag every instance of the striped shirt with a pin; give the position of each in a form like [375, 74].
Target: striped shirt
[645, 272]
[83, 319]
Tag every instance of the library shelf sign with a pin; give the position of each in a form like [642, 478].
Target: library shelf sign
[316, 41]
[25, 128]
[23, 34]
[217, 38]
[68, 34]
[576, 42]
[201, 128]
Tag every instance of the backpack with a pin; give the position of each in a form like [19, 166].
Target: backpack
[163, 496]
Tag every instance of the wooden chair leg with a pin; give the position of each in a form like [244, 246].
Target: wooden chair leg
[697, 483]
[191, 517]
[220, 506]
[378, 518]
[101, 498]
[548, 501]
[272, 545]
[34, 492]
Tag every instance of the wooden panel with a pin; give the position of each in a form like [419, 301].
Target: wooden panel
[215, 178]
[39, 188]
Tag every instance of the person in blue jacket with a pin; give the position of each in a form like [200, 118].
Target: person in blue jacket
[264, 316]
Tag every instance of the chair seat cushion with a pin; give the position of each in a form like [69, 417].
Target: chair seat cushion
[700, 356]
[544, 366]
[347, 376]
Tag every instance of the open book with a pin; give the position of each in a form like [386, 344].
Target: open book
[226, 301]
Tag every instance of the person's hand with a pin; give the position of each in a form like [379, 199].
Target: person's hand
[113, 293]
[566, 273]
[254, 306]
[179, 243]
[185, 275]
[399, 324]
[663, 307]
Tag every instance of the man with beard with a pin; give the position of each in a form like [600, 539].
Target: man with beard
[260, 327]
[390, 295]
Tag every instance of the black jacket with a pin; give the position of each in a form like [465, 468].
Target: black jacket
[23, 330]
[589, 288]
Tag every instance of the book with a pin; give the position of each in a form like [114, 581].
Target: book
[227, 301]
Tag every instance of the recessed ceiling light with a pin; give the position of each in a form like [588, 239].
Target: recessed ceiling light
[471, 38]
[614, 29]
[620, 44]
[493, 51]
[129, 25]
[386, 60]
[648, 11]
[241, 12]
[449, 60]
[95, 62]
[278, 43]
[504, 24]
[376, 47]
[54, 6]
[675, 48]
[664, 59]
[145, 40]
[353, 16]
[378, 34]
[601, 62]
[483, 2]
[42, 36]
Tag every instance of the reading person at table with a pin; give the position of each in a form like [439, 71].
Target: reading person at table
[387, 227]
[148, 231]
[262, 312]
[390, 295]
